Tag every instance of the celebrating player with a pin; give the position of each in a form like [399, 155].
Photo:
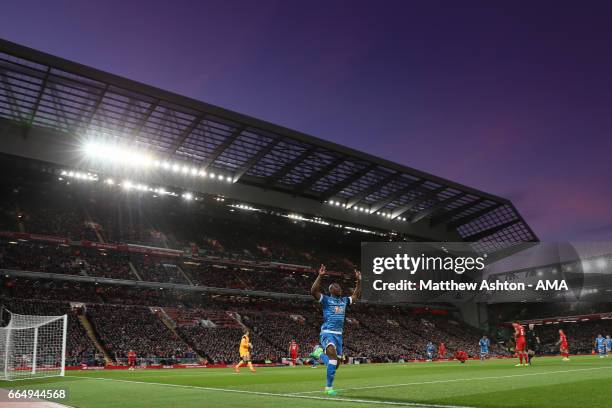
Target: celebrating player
[484, 344]
[442, 351]
[563, 347]
[293, 352]
[600, 346]
[519, 337]
[131, 359]
[334, 308]
[245, 353]
[533, 342]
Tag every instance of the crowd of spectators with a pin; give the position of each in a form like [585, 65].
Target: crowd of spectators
[81, 211]
[63, 258]
[122, 329]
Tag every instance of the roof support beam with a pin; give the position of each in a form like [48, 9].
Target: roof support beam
[39, 96]
[410, 187]
[441, 204]
[472, 217]
[96, 107]
[447, 216]
[416, 201]
[256, 158]
[317, 175]
[221, 148]
[287, 167]
[8, 89]
[185, 134]
[372, 189]
[482, 234]
[145, 118]
[338, 187]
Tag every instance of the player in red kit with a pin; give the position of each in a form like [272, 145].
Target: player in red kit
[131, 359]
[519, 337]
[441, 351]
[563, 347]
[461, 356]
[293, 351]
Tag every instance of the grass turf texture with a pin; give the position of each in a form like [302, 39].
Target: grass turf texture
[584, 381]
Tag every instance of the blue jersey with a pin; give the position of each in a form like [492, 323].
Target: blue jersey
[484, 345]
[431, 349]
[609, 344]
[334, 309]
[601, 343]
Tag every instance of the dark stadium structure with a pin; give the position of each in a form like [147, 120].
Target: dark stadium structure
[222, 228]
[50, 104]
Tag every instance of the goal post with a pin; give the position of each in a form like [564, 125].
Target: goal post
[33, 346]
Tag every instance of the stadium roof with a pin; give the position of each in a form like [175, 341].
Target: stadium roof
[41, 90]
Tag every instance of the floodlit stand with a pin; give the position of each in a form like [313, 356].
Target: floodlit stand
[33, 347]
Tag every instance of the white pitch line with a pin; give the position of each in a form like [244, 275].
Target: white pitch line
[271, 394]
[370, 387]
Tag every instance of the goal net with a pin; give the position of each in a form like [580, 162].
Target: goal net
[32, 346]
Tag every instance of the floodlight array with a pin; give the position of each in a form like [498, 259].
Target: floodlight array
[366, 210]
[129, 157]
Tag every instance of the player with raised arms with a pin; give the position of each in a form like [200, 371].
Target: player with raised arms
[334, 307]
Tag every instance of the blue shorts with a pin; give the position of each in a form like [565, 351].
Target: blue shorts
[334, 339]
[484, 351]
[601, 350]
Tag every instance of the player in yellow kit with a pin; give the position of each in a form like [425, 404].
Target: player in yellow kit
[245, 353]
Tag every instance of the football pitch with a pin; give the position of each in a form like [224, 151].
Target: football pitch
[550, 382]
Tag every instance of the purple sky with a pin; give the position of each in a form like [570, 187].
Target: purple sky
[513, 99]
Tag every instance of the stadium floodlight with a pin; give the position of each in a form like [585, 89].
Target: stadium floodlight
[188, 196]
[586, 266]
[33, 346]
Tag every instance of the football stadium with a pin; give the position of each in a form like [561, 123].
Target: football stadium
[157, 250]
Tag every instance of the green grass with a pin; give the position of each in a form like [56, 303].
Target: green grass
[585, 381]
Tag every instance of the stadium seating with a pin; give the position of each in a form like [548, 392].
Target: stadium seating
[223, 248]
